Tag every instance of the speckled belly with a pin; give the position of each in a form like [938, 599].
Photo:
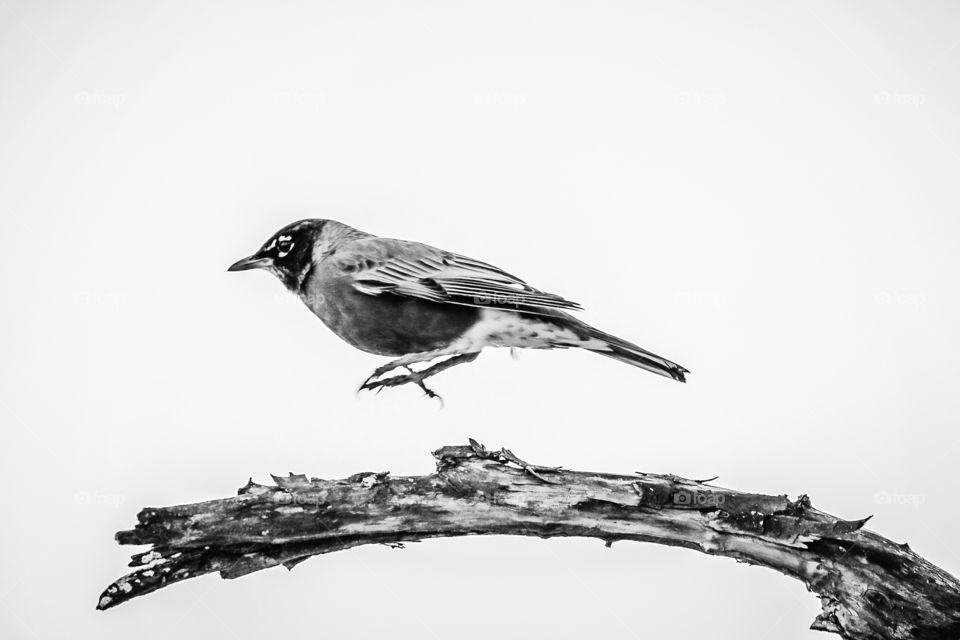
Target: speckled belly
[505, 328]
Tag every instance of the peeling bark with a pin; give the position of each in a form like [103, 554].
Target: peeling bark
[869, 587]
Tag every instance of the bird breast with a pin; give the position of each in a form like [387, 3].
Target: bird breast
[384, 324]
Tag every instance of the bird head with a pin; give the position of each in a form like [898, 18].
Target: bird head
[287, 254]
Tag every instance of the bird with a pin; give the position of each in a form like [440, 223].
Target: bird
[417, 303]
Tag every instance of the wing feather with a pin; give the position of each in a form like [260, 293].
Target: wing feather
[381, 266]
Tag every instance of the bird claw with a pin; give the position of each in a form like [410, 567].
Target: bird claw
[379, 371]
[416, 377]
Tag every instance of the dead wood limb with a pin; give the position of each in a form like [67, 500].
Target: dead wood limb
[869, 587]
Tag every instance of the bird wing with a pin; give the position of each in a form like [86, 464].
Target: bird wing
[384, 266]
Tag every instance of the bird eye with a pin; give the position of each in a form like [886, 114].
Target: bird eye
[284, 247]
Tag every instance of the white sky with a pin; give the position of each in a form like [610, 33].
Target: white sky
[763, 192]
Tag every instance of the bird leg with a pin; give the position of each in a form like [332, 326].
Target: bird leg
[405, 362]
[416, 377]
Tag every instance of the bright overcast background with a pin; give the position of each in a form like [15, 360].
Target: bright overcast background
[763, 192]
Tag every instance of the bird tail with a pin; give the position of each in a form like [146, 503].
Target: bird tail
[619, 349]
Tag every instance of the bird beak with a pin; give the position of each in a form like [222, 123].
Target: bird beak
[251, 262]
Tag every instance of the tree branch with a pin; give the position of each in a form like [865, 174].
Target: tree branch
[869, 587]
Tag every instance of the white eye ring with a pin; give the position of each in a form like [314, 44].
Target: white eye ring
[284, 247]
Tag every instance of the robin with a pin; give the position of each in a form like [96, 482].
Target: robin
[419, 303]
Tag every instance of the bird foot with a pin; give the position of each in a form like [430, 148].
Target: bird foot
[415, 377]
[381, 370]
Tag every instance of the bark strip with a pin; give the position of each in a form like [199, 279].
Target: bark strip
[869, 587]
